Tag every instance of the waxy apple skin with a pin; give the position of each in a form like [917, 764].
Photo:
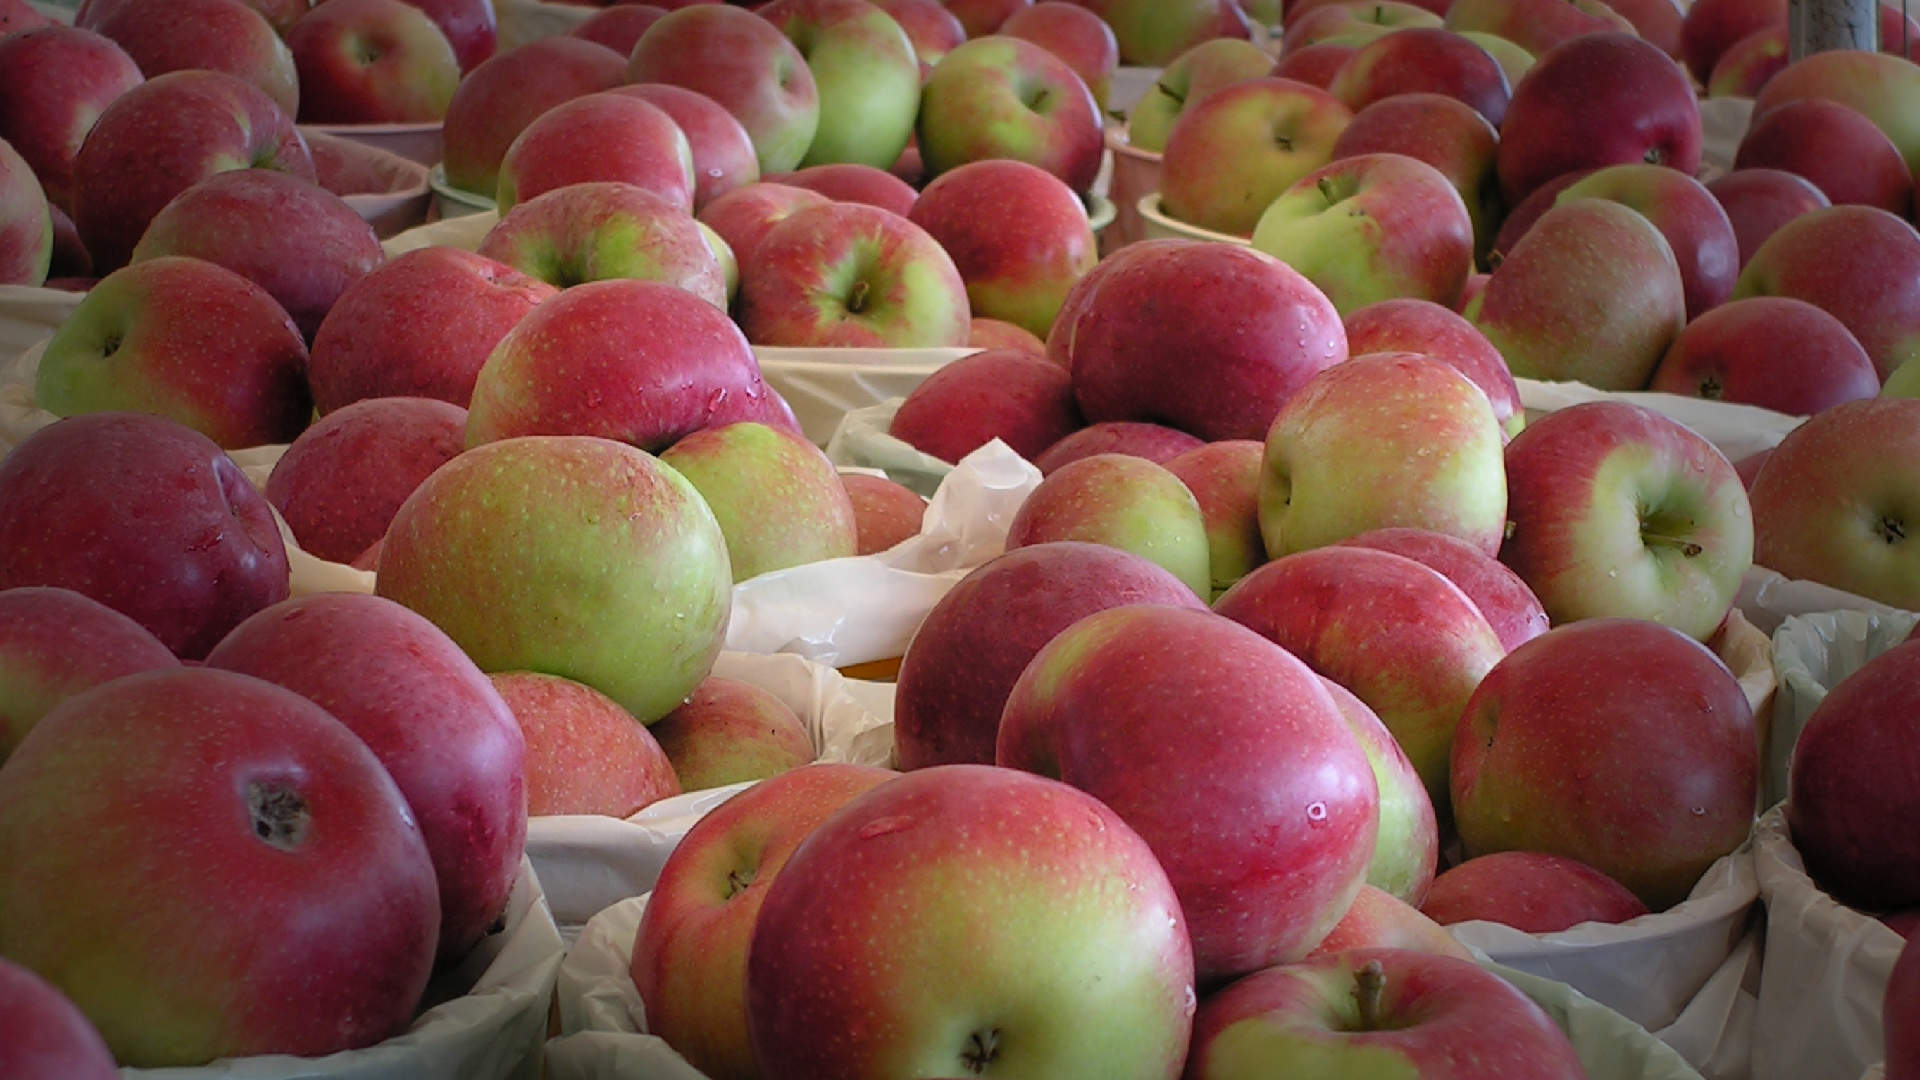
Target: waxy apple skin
[777, 497]
[54, 83]
[55, 643]
[1002, 97]
[42, 1033]
[1531, 891]
[1508, 604]
[505, 93]
[743, 62]
[1129, 502]
[1859, 264]
[585, 754]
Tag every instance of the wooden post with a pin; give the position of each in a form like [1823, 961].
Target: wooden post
[1822, 25]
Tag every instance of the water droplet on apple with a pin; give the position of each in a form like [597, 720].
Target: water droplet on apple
[882, 826]
[1316, 813]
[1698, 811]
[1191, 1003]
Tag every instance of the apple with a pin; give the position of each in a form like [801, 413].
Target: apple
[689, 960]
[280, 14]
[1377, 919]
[1519, 219]
[1538, 26]
[777, 498]
[1224, 478]
[1232, 153]
[1771, 351]
[1248, 333]
[54, 82]
[605, 230]
[434, 721]
[1151, 33]
[747, 65]
[865, 73]
[1266, 843]
[1429, 60]
[17, 16]
[619, 28]
[1373, 227]
[1859, 264]
[982, 17]
[1003, 97]
[604, 136]
[1694, 224]
[585, 754]
[1409, 324]
[1123, 501]
[1618, 742]
[854, 182]
[1190, 77]
[1388, 439]
[1898, 1012]
[1512, 58]
[1444, 132]
[884, 512]
[556, 583]
[1355, 23]
[728, 731]
[43, 1033]
[966, 655]
[1747, 65]
[418, 325]
[1407, 847]
[470, 26]
[849, 274]
[1154, 442]
[1402, 638]
[185, 339]
[1315, 64]
[342, 480]
[1411, 1011]
[56, 643]
[723, 154]
[744, 215]
[984, 333]
[1832, 503]
[1074, 34]
[26, 222]
[372, 62]
[1061, 943]
[1711, 27]
[1658, 21]
[1016, 268]
[1509, 606]
[1531, 891]
[1598, 99]
[1591, 293]
[1022, 400]
[933, 30]
[1882, 87]
[1759, 201]
[163, 136]
[1845, 155]
[238, 219]
[303, 921]
[498, 99]
[218, 35]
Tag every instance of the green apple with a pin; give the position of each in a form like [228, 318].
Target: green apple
[865, 71]
[1125, 502]
[1004, 97]
[777, 498]
[1512, 58]
[1151, 33]
[1191, 76]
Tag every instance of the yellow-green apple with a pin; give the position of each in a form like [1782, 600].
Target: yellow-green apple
[1405, 640]
[1772, 351]
[1250, 330]
[984, 915]
[723, 156]
[1828, 506]
[1597, 99]
[1152, 33]
[933, 30]
[984, 333]
[162, 137]
[1382, 440]
[1531, 891]
[1075, 34]
[42, 1032]
[849, 274]
[742, 217]
[1003, 97]
[884, 512]
[218, 35]
[497, 100]
[342, 480]
[1315, 64]
[1711, 27]
[1619, 742]
[55, 643]
[54, 82]
[26, 222]
[1406, 1011]
[1265, 13]
[1377, 919]
[1016, 267]
[590, 560]
[865, 73]
[1693, 222]
[1616, 510]
[1859, 264]
[1224, 477]
[185, 339]
[966, 655]
[585, 754]
[1746, 66]
[603, 230]
[372, 62]
[471, 27]
[1407, 847]
[1900, 1015]
[1408, 324]
[1444, 132]
[981, 17]
[1355, 22]
[1023, 400]
[1882, 87]
[238, 219]
[1512, 58]
[1265, 825]
[1759, 201]
[619, 28]
[747, 65]
[1508, 604]
[1154, 442]
[284, 903]
[1537, 25]
[418, 325]
[1125, 502]
[689, 959]
[637, 361]
[434, 721]
[1591, 293]
[728, 731]
[1191, 76]
[605, 136]
[1842, 152]
[1233, 152]
[1373, 227]
[777, 497]
[853, 182]
[1416, 60]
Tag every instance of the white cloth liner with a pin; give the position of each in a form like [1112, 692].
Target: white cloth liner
[1812, 654]
[388, 191]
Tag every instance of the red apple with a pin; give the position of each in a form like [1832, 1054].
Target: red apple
[1354, 23]
[745, 215]
[598, 137]
[1747, 65]
[933, 30]
[1154, 442]
[723, 155]
[1022, 400]
[54, 82]
[498, 99]
[728, 731]
[1074, 34]
[619, 28]
[1658, 21]
[984, 333]
[1233, 152]
[1842, 152]
[884, 513]
[853, 182]
[1407, 847]
[598, 230]
[1711, 27]
[1377, 919]
[744, 63]
[1509, 606]
[1518, 220]
[1534, 26]
[1003, 97]
[1531, 891]
[1016, 268]
[470, 26]
[1759, 201]
[585, 754]
[1413, 325]
[981, 17]
[218, 35]
[18, 15]
[1224, 477]
[1695, 226]
[1316, 64]
[372, 62]
[1860, 264]
[43, 1033]
[1424, 60]
[1772, 351]
[1882, 87]
[56, 643]
[1444, 132]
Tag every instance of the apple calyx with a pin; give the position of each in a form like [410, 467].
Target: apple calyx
[1369, 986]
[1654, 156]
[737, 881]
[1891, 529]
[280, 816]
[367, 51]
[1711, 388]
[982, 1048]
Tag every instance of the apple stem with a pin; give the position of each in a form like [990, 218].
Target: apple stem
[1370, 985]
[857, 300]
[1325, 185]
[1687, 547]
